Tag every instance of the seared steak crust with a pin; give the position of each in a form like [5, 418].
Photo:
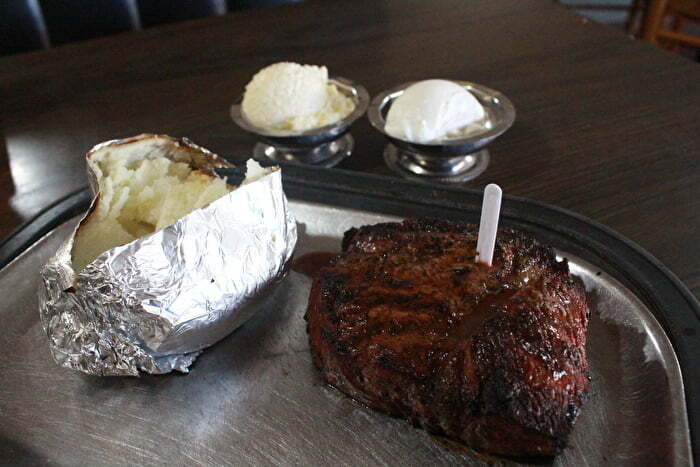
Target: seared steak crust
[406, 322]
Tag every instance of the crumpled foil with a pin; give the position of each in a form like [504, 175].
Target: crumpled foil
[153, 304]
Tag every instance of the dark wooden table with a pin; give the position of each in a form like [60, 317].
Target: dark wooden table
[607, 126]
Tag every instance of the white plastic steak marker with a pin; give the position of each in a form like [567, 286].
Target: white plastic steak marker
[488, 225]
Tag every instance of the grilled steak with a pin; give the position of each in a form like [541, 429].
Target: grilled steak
[406, 322]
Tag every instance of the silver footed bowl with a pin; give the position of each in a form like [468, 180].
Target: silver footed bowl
[454, 159]
[325, 146]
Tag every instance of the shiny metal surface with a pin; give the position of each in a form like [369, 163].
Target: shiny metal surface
[256, 399]
[323, 155]
[455, 159]
[312, 146]
[421, 168]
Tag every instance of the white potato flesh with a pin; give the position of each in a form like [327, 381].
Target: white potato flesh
[139, 197]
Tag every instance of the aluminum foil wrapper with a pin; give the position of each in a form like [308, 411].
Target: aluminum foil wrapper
[153, 304]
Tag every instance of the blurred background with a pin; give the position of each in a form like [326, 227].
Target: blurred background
[27, 25]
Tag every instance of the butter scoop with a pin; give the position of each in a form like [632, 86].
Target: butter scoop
[430, 110]
[292, 97]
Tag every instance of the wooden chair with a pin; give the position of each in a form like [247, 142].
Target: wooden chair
[680, 12]
[636, 16]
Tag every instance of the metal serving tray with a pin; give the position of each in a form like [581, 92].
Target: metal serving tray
[255, 398]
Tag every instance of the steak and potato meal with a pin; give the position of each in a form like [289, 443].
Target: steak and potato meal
[170, 258]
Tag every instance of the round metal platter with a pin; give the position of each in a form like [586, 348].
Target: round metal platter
[255, 397]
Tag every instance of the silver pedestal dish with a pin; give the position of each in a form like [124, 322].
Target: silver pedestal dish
[456, 158]
[325, 146]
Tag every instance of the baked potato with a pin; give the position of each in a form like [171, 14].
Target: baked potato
[168, 259]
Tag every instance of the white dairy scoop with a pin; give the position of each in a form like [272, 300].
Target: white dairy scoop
[429, 110]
